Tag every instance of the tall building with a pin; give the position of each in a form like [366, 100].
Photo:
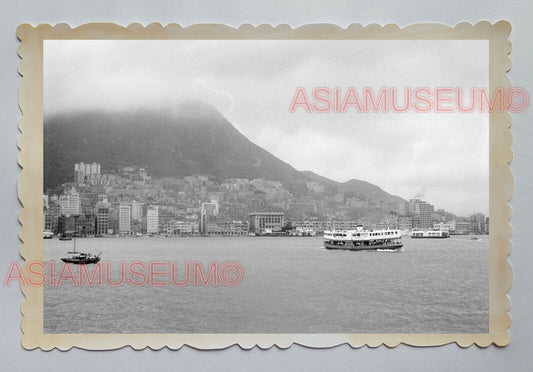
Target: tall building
[124, 219]
[51, 216]
[425, 212]
[208, 210]
[477, 224]
[136, 210]
[69, 202]
[266, 222]
[403, 208]
[152, 220]
[421, 213]
[82, 170]
[102, 218]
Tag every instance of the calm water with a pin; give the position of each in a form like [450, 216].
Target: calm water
[290, 285]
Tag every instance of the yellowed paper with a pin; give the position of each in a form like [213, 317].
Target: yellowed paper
[303, 107]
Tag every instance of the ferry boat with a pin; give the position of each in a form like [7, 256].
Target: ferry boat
[359, 239]
[429, 234]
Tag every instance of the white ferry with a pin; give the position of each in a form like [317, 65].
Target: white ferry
[429, 234]
[360, 239]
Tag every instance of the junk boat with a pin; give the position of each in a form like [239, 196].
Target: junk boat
[81, 258]
[360, 240]
[430, 234]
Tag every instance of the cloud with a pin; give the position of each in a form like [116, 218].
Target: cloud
[252, 82]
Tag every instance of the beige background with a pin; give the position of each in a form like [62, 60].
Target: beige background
[491, 358]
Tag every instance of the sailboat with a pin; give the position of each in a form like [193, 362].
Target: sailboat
[81, 258]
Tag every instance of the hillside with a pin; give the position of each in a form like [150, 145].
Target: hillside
[193, 138]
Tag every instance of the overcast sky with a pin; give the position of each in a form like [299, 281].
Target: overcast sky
[442, 157]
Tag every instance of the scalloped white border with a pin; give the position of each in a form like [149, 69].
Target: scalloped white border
[30, 181]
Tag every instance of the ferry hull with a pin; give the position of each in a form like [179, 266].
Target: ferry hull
[351, 247]
[430, 237]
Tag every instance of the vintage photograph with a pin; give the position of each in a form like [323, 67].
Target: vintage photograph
[194, 151]
[264, 187]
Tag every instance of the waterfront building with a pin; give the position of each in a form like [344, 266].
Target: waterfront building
[425, 212]
[344, 225]
[175, 227]
[152, 220]
[462, 227]
[124, 219]
[445, 226]
[85, 225]
[235, 227]
[102, 218]
[208, 210]
[266, 222]
[51, 215]
[421, 213]
[477, 224]
[69, 202]
[227, 228]
[136, 210]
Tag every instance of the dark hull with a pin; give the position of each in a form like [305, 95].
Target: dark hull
[351, 247]
[430, 237]
[79, 261]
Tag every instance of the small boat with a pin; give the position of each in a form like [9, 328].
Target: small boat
[81, 258]
[66, 236]
[48, 234]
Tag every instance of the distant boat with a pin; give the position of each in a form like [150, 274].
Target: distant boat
[81, 258]
[66, 236]
[48, 234]
[431, 234]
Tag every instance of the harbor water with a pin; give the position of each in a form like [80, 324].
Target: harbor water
[289, 285]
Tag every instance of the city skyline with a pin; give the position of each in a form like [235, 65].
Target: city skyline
[130, 201]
